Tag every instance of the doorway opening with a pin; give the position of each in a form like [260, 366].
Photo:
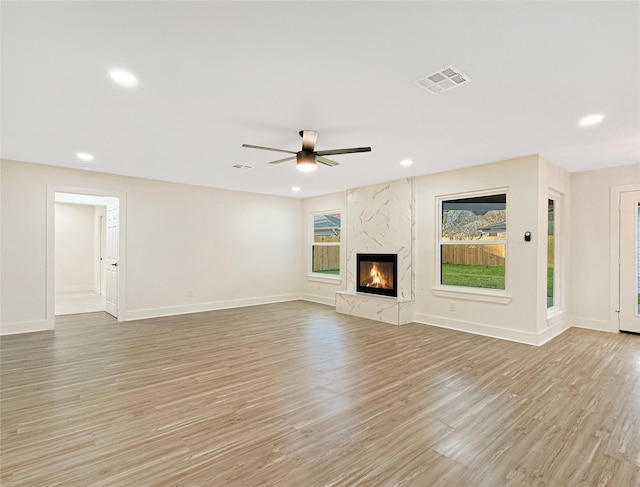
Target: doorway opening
[625, 259]
[85, 239]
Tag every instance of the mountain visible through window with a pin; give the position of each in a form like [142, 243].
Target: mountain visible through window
[473, 242]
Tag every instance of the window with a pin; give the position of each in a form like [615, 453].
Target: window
[325, 243]
[554, 243]
[551, 253]
[473, 241]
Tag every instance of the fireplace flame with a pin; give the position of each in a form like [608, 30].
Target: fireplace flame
[377, 278]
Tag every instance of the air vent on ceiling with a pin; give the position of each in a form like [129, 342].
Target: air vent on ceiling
[442, 80]
[242, 167]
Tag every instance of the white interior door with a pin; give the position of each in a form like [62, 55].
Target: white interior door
[111, 261]
[629, 261]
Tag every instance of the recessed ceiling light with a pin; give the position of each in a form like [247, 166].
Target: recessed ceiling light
[590, 120]
[84, 156]
[406, 162]
[123, 78]
[295, 189]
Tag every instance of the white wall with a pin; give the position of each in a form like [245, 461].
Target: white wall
[589, 279]
[316, 289]
[229, 248]
[75, 259]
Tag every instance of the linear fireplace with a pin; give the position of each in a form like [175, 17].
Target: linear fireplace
[377, 274]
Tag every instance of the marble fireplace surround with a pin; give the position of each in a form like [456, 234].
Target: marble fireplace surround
[380, 220]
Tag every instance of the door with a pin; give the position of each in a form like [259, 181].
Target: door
[629, 314]
[111, 261]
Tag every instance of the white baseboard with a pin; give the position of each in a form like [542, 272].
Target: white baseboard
[76, 289]
[590, 324]
[527, 338]
[26, 327]
[314, 298]
[557, 325]
[211, 306]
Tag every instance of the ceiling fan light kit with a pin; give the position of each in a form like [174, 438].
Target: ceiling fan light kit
[307, 159]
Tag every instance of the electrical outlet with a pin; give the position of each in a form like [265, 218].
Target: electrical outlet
[452, 306]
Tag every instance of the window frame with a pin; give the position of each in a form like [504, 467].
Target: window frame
[464, 292]
[321, 276]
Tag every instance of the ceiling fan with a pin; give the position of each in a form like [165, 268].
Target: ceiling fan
[308, 157]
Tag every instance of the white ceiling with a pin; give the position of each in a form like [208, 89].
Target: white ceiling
[214, 75]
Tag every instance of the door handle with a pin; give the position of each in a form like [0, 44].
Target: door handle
[115, 265]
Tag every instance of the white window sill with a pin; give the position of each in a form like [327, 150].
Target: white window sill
[473, 294]
[328, 279]
[554, 312]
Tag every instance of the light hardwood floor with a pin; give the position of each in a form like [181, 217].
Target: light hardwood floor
[294, 394]
[77, 303]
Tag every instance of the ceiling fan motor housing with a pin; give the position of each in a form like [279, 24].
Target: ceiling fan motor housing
[308, 157]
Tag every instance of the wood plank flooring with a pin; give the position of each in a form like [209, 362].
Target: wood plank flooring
[293, 394]
[77, 303]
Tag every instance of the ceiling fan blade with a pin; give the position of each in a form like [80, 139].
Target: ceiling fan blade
[326, 161]
[309, 139]
[267, 148]
[343, 151]
[282, 160]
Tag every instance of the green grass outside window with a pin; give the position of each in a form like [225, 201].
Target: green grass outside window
[488, 277]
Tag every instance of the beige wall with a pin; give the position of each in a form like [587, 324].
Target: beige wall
[22, 275]
[517, 319]
[230, 248]
[590, 257]
[315, 289]
[234, 248]
[554, 182]
[75, 239]
[527, 181]
[584, 290]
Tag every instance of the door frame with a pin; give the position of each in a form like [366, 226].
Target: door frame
[50, 257]
[614, 236]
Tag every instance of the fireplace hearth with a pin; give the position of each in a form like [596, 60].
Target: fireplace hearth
[377, 274]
